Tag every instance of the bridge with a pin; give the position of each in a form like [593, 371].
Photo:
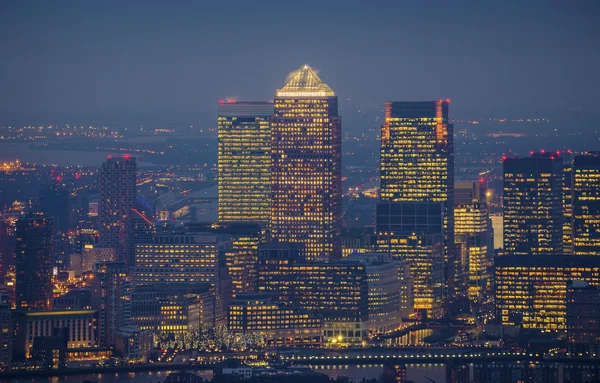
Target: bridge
[437, 356]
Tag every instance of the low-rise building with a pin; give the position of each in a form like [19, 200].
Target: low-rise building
[81, 328]
[280, 325]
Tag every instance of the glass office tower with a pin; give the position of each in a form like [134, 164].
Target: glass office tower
[244, 161]
[533, 210]
[306, 166]
[417, 181]
[586, 204]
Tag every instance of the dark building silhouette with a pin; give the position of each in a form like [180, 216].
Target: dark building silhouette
[54, 202]
[583, 319]
[533, 209]
[586, 204]
[116, 198]
[34, 263]
[111, 294]
[306, 166]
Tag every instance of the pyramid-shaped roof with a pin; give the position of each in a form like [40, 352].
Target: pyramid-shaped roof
[305, 83]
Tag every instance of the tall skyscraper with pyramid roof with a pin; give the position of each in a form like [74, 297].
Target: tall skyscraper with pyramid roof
[306, 166]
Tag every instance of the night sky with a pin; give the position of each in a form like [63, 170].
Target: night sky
[170, 62]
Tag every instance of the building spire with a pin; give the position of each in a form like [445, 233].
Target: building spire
[305, 82]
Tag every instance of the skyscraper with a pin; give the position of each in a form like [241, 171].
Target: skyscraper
[586, 204]
[533, 213]
[306, 166]
[244, 161]
[116, 198]
[111, 294]
[34, 263]
[417, 178]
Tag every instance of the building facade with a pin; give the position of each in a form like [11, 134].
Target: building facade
[586, 204]
[187, 257]
[81, 325]
[116, 198]
[174, 308]
[472, 227]
[583, 319]
[424, 255]
[336, 292]
[417, 167]
[280, 325]
[244, 161]
[111, 294]
[532, 291]
[532, 203]
[34, 263]
[306, 172]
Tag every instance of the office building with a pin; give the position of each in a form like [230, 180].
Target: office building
[81, 329]
[185, 256]
[133, 344]
[111, 294]
[532, 202]
[116, 198]
[417, 169]
[472, 228]
[424, 255]
[306, 155]
[531, 290]
[336, 292]
[244, 161]
[34, 263]
[172, 308]
[583, 319]
[280, 325]
[390, 289]
[586, 204]
[241, 242]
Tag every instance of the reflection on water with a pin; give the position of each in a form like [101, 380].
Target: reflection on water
[418, 373]
[133, 377]
[415, 372]
[414, 338]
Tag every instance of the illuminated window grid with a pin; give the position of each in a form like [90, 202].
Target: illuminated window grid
[244, 162]
[306, 175]
[535, 296]
[532, 204]
[586, 204]
[241, 263]
[337, 292]
[176, 263]
[426, 268]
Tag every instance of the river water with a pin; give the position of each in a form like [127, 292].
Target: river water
[415, 372]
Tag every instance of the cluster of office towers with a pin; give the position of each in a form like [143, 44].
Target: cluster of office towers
[280, 166]
[547, 275]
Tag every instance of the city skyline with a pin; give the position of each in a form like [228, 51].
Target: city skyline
[426, 197]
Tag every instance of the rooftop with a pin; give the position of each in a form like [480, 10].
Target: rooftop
[305, 83]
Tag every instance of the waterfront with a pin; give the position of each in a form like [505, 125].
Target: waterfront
[21, 151]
